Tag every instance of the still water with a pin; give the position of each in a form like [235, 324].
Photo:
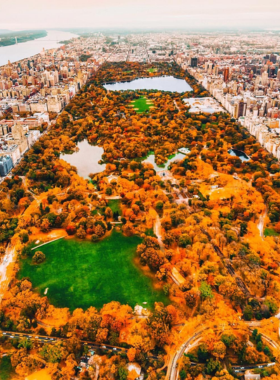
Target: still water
[151, 160]
[17, 52]
[86, 159]
[167, 83]
[240, 154]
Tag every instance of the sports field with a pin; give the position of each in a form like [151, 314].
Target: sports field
[142, 104]
[83, 274]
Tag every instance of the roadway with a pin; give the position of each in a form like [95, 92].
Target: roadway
[52, 340]
[172, 370]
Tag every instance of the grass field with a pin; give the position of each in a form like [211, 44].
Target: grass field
[142, 105]
[270, 232]
[152, 70]
[114, 205]
[83, 274]
[6, 370]
[150, 232]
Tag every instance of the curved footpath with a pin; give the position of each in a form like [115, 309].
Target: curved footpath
[172, 370]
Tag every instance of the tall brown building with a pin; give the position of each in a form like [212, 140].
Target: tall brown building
[226, 74]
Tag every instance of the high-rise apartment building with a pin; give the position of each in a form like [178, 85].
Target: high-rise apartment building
[264, 78]
[194, 62]
[226, 74]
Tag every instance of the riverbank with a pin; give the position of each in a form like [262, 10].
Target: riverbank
[15, 53]
[14, 38]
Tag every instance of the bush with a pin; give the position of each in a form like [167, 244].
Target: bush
[94, 238]
[71, 229]
[248, 313]
[81, 233]
[24, 237]
[205, 290]
[213, 366]
[38, 258]
[202, 353]
[109, 191]
[182, 374]
[184, 240]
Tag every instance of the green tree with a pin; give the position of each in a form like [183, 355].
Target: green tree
[24, 237]
[52, 353]
[38, 258]
[205, 290]
[182, 374]
[260, 346]
[122, 373]
[202, 353]
[248, 313]
[25, 343]
[255, 333]
[228, 339]
[109, 191]
[213, 366]
[184, 240]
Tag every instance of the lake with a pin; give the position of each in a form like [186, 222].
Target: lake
[165, 83]
[240, 154]
[151, 160]
[14, 53]
[86, 159]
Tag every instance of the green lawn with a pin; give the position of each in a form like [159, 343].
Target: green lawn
[114, 205]
[141, 105]
[83, 274]
[150, 232]
[6, 369]
[270, 232]
[152, 70]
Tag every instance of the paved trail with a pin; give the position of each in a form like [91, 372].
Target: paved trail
[261, 223]
[6, 261]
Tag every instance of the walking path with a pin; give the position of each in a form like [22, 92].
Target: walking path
[6, 262]
[261, 223]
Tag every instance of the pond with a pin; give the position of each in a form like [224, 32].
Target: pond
[86, 159]
[164, 83]
[175, 157]
[239, 153]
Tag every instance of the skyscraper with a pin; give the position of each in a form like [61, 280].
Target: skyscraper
[193, 62]
[226, 74]
[264, 78]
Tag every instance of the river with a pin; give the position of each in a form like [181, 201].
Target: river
[17, 52]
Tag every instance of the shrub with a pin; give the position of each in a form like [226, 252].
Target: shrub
[38, 258]
[71, 229]
[184, 240]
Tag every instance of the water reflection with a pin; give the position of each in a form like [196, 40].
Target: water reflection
[151, 160]
[86, 159]
[164, 83]
[27, 49]
[240, 154]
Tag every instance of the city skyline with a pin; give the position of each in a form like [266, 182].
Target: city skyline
[126, 14]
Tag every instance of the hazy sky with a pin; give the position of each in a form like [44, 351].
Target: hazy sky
[30, 14]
